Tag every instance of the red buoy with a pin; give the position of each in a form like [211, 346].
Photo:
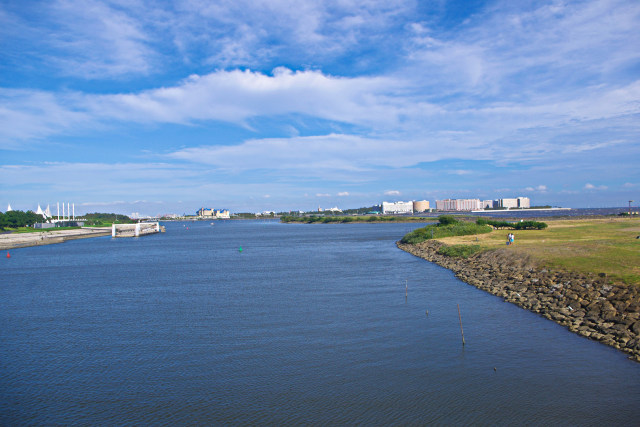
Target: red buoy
[8, 254]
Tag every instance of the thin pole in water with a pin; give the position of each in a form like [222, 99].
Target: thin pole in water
[460, 318]
[406, 289]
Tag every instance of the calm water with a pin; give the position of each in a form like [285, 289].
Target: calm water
[307, 325]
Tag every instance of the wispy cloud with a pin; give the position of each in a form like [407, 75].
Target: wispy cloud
[589, 186]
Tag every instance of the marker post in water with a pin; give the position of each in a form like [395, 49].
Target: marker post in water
[460, 318]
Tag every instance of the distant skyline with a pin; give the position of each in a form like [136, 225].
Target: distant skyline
[166, 107]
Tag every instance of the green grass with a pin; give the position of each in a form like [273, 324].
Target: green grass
[39, 230]
[459, 251]
[589, 246]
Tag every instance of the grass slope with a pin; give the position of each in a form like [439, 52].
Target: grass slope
[598, 246]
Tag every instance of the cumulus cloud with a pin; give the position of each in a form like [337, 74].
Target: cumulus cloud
[323, 195]
[539, 188]
[392, 193]
[343, 193]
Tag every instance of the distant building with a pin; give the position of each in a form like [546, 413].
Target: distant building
[213, 213]
[421, 206]
[508, 203]
[458, 204]
[518, 202]
[524, 202]
[489, 204]
[397, 207]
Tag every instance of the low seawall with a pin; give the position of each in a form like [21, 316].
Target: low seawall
[22, 240]
[585, 305]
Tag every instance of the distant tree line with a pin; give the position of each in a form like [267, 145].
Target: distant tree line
[106, 218]
[521, 225]
[15, 219]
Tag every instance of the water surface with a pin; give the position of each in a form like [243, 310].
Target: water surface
[308, 324]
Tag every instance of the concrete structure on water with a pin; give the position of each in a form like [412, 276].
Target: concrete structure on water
[135, 230]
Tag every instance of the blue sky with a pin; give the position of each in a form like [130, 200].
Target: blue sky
[167, 106]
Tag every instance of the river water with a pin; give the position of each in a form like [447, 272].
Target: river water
[307, 324]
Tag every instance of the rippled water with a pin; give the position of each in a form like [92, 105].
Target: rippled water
[308, 324]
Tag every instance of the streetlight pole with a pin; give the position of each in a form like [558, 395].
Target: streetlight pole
[630, 207]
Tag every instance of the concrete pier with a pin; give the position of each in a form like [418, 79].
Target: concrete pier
[135, 230]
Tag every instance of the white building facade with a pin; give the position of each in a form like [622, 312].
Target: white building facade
[515, 203]
[397, 207]
[458, 204]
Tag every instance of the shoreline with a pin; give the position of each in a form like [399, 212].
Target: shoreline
[588, 306]
[24, 240]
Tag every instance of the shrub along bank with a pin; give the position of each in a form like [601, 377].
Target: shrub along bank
[521, 225]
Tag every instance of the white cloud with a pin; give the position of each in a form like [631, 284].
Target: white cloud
[539, 188]
[323, 195]
[343, 193]
[236, 96]
[391, 193]
[589, 186]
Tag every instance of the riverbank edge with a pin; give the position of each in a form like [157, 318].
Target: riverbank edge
[588, 306]
[25, 240]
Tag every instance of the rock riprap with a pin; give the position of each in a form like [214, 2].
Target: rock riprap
[589, 306]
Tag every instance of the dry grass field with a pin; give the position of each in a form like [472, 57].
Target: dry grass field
[597, 246]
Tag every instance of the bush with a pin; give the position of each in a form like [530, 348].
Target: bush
[529, 225]
[522, 225]
[447, 220]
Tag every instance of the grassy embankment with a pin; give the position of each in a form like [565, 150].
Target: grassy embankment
[349, 219]
[39, 230]
[592, 246]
